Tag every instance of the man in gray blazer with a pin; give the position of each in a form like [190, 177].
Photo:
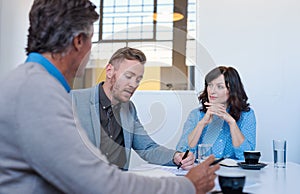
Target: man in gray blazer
[42, 149]
[110, 119]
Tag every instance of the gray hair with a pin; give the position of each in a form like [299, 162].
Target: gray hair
[54, 24]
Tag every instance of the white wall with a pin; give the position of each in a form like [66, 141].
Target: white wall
[13, 34]
[163, 114]
[261, 39]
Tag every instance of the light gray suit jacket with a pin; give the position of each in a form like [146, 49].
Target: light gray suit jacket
[86, 105]
[43, 151]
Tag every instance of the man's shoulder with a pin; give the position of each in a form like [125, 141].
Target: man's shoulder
[32, 78]
[83, 93]
[128, 108]
[129, 105]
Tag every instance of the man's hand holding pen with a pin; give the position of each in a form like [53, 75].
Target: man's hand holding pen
[203, 175]
[186, 163]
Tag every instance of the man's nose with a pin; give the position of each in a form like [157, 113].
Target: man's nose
[133, 83]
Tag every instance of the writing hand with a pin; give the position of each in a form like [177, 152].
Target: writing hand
[186, 163]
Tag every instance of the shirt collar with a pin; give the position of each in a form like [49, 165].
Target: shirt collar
[40, 59]
[104, 100]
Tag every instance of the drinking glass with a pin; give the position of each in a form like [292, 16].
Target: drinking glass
[204, 150]
[279, 150]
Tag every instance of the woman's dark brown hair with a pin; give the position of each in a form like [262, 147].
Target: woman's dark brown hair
[237, 101]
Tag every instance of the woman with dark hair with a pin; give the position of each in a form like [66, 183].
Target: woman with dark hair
[224, 119]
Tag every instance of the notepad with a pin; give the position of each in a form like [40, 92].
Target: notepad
[152, 173]
[158, 170]
[174, 170]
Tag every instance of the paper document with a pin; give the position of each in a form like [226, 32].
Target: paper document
[174, 170]
[152, 173]
[158, 170]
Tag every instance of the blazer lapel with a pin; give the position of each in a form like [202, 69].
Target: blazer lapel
[95, 116]
[127, 126]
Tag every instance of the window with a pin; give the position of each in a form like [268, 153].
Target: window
[170, 46]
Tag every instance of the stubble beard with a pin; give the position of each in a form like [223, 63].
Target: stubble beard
[113, 88]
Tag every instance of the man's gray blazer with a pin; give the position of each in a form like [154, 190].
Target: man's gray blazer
[86, 105]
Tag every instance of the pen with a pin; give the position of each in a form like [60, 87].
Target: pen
[217, 161]
[184, 157]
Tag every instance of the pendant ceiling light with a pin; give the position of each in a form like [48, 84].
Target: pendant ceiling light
[167, 17]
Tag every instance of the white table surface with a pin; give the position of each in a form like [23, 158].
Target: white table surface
[269, 179]
[264, 181]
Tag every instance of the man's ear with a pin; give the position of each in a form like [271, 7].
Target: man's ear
[109, 70]
[78, 42]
